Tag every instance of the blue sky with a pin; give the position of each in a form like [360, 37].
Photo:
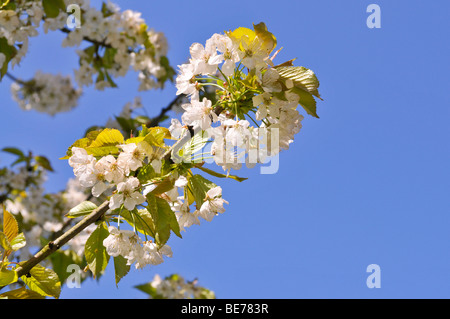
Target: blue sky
[367, 183]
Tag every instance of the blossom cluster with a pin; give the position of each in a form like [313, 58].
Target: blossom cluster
[176, 287]
[41, 213]
[255, 98]
[127, 43]
[120, 41]
[46, 93]
[19, 20]
[128, 244]
[133, 176]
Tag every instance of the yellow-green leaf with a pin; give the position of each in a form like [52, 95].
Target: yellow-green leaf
[4, 242]
[301, 77]
[94, 251]
[108, 137]
[120, 268]
[81, 209]
[21, 293]
[18, 242]
[44, 281]
[268, 39]
[10, 226]
[7, 276]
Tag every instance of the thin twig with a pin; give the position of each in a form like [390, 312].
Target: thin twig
[13, 78]
[156, 120]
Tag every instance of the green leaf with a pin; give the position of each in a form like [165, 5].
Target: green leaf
[120, 268]
[44, 163]
[156, 136]
[10, 52]
[61, 259]
[307, 101]
[96, 255]
[21, 293]
[105, 11]
[220, 175]
[18, 242]
[195, 144]
[44, 281]
[164, 219]
[110, 80]
[146, 174]
[108, 57]
[302, 78]
[127, 125]
[140, 219]
[7, 276]
[198, 187]
[14, 151]
[5, 242]
[163, 186]
[52, 7]
[149, 289]
[81, 209]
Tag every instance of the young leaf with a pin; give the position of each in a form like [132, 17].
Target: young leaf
[44, 281]
[10, 226]
[105, 143]
[120, 268]
[96, 255]
[14, 151]
[4, 242]
[198, 187]
[18, 242]
[9, 51]
[140, 219]
[307, 101]
[61, 259]
[108, 137]
[21, 293]
[7, 276]
[149, 289]
[81, 209]
[52, 7]
[301, 77]
[164, 219]
[268, 39]
[43, 162]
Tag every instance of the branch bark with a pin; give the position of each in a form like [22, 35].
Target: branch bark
[53, 246]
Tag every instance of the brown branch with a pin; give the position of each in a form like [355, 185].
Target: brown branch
[53, 246]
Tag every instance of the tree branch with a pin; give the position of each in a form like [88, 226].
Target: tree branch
[53, 246]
